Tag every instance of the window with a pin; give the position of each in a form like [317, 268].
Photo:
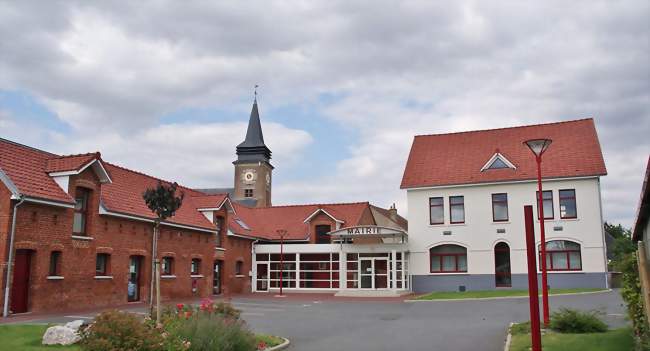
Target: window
[500, 207]
[196, 266]
[448, 258]
[568, 204]
[498, 164]
[321, 234]
[167, 266]
[80, 211]
[456, 209]
[547, 197]
[248, 192]
[562, 255]
[239, 267]
[55, 263]
[101, 265]
[436, 210]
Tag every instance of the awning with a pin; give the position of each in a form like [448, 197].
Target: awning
[369, 231]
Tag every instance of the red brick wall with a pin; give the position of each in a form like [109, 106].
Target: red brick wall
[43, 228]
[5, 222]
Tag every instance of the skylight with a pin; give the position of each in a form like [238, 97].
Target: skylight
[242, 224]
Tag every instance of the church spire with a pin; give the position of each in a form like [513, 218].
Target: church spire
[253, 147]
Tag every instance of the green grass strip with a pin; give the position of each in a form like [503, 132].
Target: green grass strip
[613, 340]
[453, 295]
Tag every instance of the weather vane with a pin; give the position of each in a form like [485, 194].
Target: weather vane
[255, 91]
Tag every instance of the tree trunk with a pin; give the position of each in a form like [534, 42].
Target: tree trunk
[154, 256]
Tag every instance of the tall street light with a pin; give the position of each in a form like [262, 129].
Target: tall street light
[538, 147]
[282, 233]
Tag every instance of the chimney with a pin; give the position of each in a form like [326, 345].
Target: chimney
[392, 212]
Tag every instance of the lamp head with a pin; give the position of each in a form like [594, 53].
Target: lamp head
[538, 146]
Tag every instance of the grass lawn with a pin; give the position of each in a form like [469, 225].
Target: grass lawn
[613, 340]
[26, 337]
[444, 295]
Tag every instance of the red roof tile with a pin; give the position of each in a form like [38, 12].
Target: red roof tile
[70, 163]
[457, 158]
[208, 201]
[25, 166]
[265, 222]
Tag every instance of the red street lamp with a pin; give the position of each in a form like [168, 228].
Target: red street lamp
[282, 233]
[533, 296]
[538, 147]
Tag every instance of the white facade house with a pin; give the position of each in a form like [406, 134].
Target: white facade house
[466, 218]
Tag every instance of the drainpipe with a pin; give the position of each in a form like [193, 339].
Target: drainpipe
[254, 266]
[10, 261]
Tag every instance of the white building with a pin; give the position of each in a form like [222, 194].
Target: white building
[466, 193]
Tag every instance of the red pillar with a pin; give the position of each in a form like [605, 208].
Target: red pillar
[281, 261]
[533, 295]
[542, 235]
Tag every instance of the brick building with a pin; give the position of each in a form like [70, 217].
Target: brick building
[83, 234]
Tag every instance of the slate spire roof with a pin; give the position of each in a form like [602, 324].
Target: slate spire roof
[253, 147]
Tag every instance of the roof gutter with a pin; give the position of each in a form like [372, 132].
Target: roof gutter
[10, 261]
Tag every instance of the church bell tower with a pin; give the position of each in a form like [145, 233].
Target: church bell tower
[253, 169]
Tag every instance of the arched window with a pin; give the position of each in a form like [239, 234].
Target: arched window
[448, 258]
[562, 255]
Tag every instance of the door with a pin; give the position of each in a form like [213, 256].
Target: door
[216, 278]
[380, 271]
[262, 277]
[366, 275]
[20, 287]
[502, 274]
[133, 289]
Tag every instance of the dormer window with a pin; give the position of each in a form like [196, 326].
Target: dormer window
[498, 161]
[80, 211]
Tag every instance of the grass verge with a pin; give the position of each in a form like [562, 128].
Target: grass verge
[478, 294]
[27, 337]
[613, 340]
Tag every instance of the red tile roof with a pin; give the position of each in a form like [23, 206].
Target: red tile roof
[265, 222]
[457, 158]
[643, 210]
[70, 163]
[25, 166]
[208, 201]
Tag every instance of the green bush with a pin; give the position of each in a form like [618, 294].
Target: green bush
[210, 331]
[568, 320]
[632, 295]
[114, 330]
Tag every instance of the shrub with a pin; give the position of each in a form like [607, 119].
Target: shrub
[568, 320]
[633, 297]
[211, 331]
[114, 330]
[520, 328]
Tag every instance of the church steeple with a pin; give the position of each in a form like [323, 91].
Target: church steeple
[253, 149]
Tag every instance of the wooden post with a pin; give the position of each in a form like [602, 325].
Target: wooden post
[644, 277]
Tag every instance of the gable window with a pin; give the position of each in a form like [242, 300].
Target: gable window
[101, 264]
[239, 268]
[436, 210]
[167, 266]
[55, 263]
[448, 259]
[196, 266]
[456, 209]
[562, 255]
[498, 161]
[248, 192]
[568, 203]
[80, 211]
[547, 196]
[321, 234]
[500, 207]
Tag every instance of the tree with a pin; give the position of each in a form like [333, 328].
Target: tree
[622, 245]
[164, 203]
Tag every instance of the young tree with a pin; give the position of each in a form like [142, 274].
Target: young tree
[622, 244]
[163, 202]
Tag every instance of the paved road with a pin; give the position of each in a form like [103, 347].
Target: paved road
[343, 325]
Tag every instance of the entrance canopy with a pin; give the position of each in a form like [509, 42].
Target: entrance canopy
[369, 231]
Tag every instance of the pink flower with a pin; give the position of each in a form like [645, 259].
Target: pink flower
[261, 345]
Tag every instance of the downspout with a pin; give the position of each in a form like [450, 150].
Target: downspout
[602, 229]
[254, 266]
[10, 261]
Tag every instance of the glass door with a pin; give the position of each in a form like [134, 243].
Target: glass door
[216, 278]
[366, 274]
[380, 272]
[262, 277]
[133, 288]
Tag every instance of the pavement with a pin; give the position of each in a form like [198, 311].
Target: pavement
[320, 322]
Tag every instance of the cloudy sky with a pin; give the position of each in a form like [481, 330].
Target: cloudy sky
[166, 87]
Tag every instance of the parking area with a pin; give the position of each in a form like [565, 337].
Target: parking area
[319, 323]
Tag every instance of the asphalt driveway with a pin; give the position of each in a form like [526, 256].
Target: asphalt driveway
[321, 323]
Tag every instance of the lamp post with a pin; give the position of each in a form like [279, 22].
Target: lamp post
[538, 147]
[282, 233]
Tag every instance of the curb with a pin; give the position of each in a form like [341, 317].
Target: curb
[282, 346]
[506, 347]
[509, 297]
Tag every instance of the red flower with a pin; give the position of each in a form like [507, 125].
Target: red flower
[180, 306]
[261, 345]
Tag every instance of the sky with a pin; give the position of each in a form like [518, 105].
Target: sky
[166, 87]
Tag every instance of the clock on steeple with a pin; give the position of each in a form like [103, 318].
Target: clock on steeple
[253, 167]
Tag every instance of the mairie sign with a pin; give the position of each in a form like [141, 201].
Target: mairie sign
[369, 230]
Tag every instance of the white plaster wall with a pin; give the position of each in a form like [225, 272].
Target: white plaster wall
[479, 232]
